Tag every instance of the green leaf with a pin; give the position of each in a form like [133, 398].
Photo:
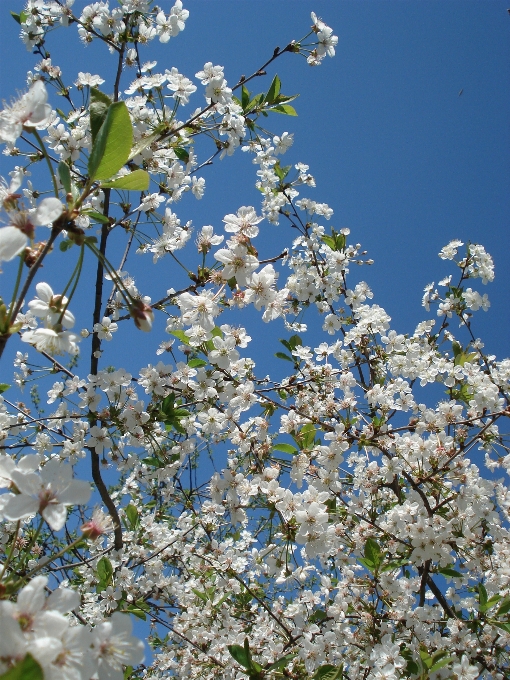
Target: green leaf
[65, 245]
[281, 172]
[105, 572]
[97, 216]
[503, 626]
[136, 611]
[99, 105]
[457, 349]
[274, 90]
[504, 607]
[490, 603]
[286, 448]
[146, 141]
[65, 176]
[281, 663]
[153, 461]
[282, 355]
[197, 363]
[285, 98]
[286, 109]
[307, 435]
[295, 341]
[245, 99]
[318, 616]
[132, 515]
[395, 564]
[373, 552]
[112, 146]
[482, 597]
[440, 664]
[180, 335]
[27, 669]
[182, 154]
[367, 563]
[202, 596]
[20, 18]
[328, 672]
[412, 667]
[4, 387]
[241, 654]
[255, 102]
[447, 571]
[138, 180]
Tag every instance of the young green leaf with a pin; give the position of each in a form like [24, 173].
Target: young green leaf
[281, 663]
[504, 607]
[138, 180]
[97, 216]
[105, 572]
[181, 335]
[27, 669]
[65, 176]
[99, 105]
[112, 145]
[373, 552]
[182, 154]
[286, 448]
[482, 597]
[274, 90]
[132, 515]
[245, 99]
[197, 363]
[241, 654]
[282, 355]
[328, 672]
[286, 109]
[447, 571]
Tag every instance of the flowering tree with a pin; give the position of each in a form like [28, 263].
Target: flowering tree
[326, 524]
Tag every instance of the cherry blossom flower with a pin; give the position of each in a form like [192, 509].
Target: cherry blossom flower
[50, 307]
[113, 647]
[52, 342]
[105, 329]
[30, 110]
[49, 493]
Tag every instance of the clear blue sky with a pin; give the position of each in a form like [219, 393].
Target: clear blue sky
[405, 162]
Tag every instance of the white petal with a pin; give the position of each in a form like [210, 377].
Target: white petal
[55, 514]
[12, 641]
[45, 649]
[48, 210]
[77, 493]
[44, 291]
[33, 596]
[63, 600]
[19, 507]
[12, 242]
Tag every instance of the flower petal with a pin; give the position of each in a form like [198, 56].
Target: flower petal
[12, 242]
[48, 210]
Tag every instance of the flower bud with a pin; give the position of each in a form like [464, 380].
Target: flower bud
[142, 315]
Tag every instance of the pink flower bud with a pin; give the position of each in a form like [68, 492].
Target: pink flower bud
[142, 315]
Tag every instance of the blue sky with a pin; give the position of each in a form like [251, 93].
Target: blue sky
[406, 132]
